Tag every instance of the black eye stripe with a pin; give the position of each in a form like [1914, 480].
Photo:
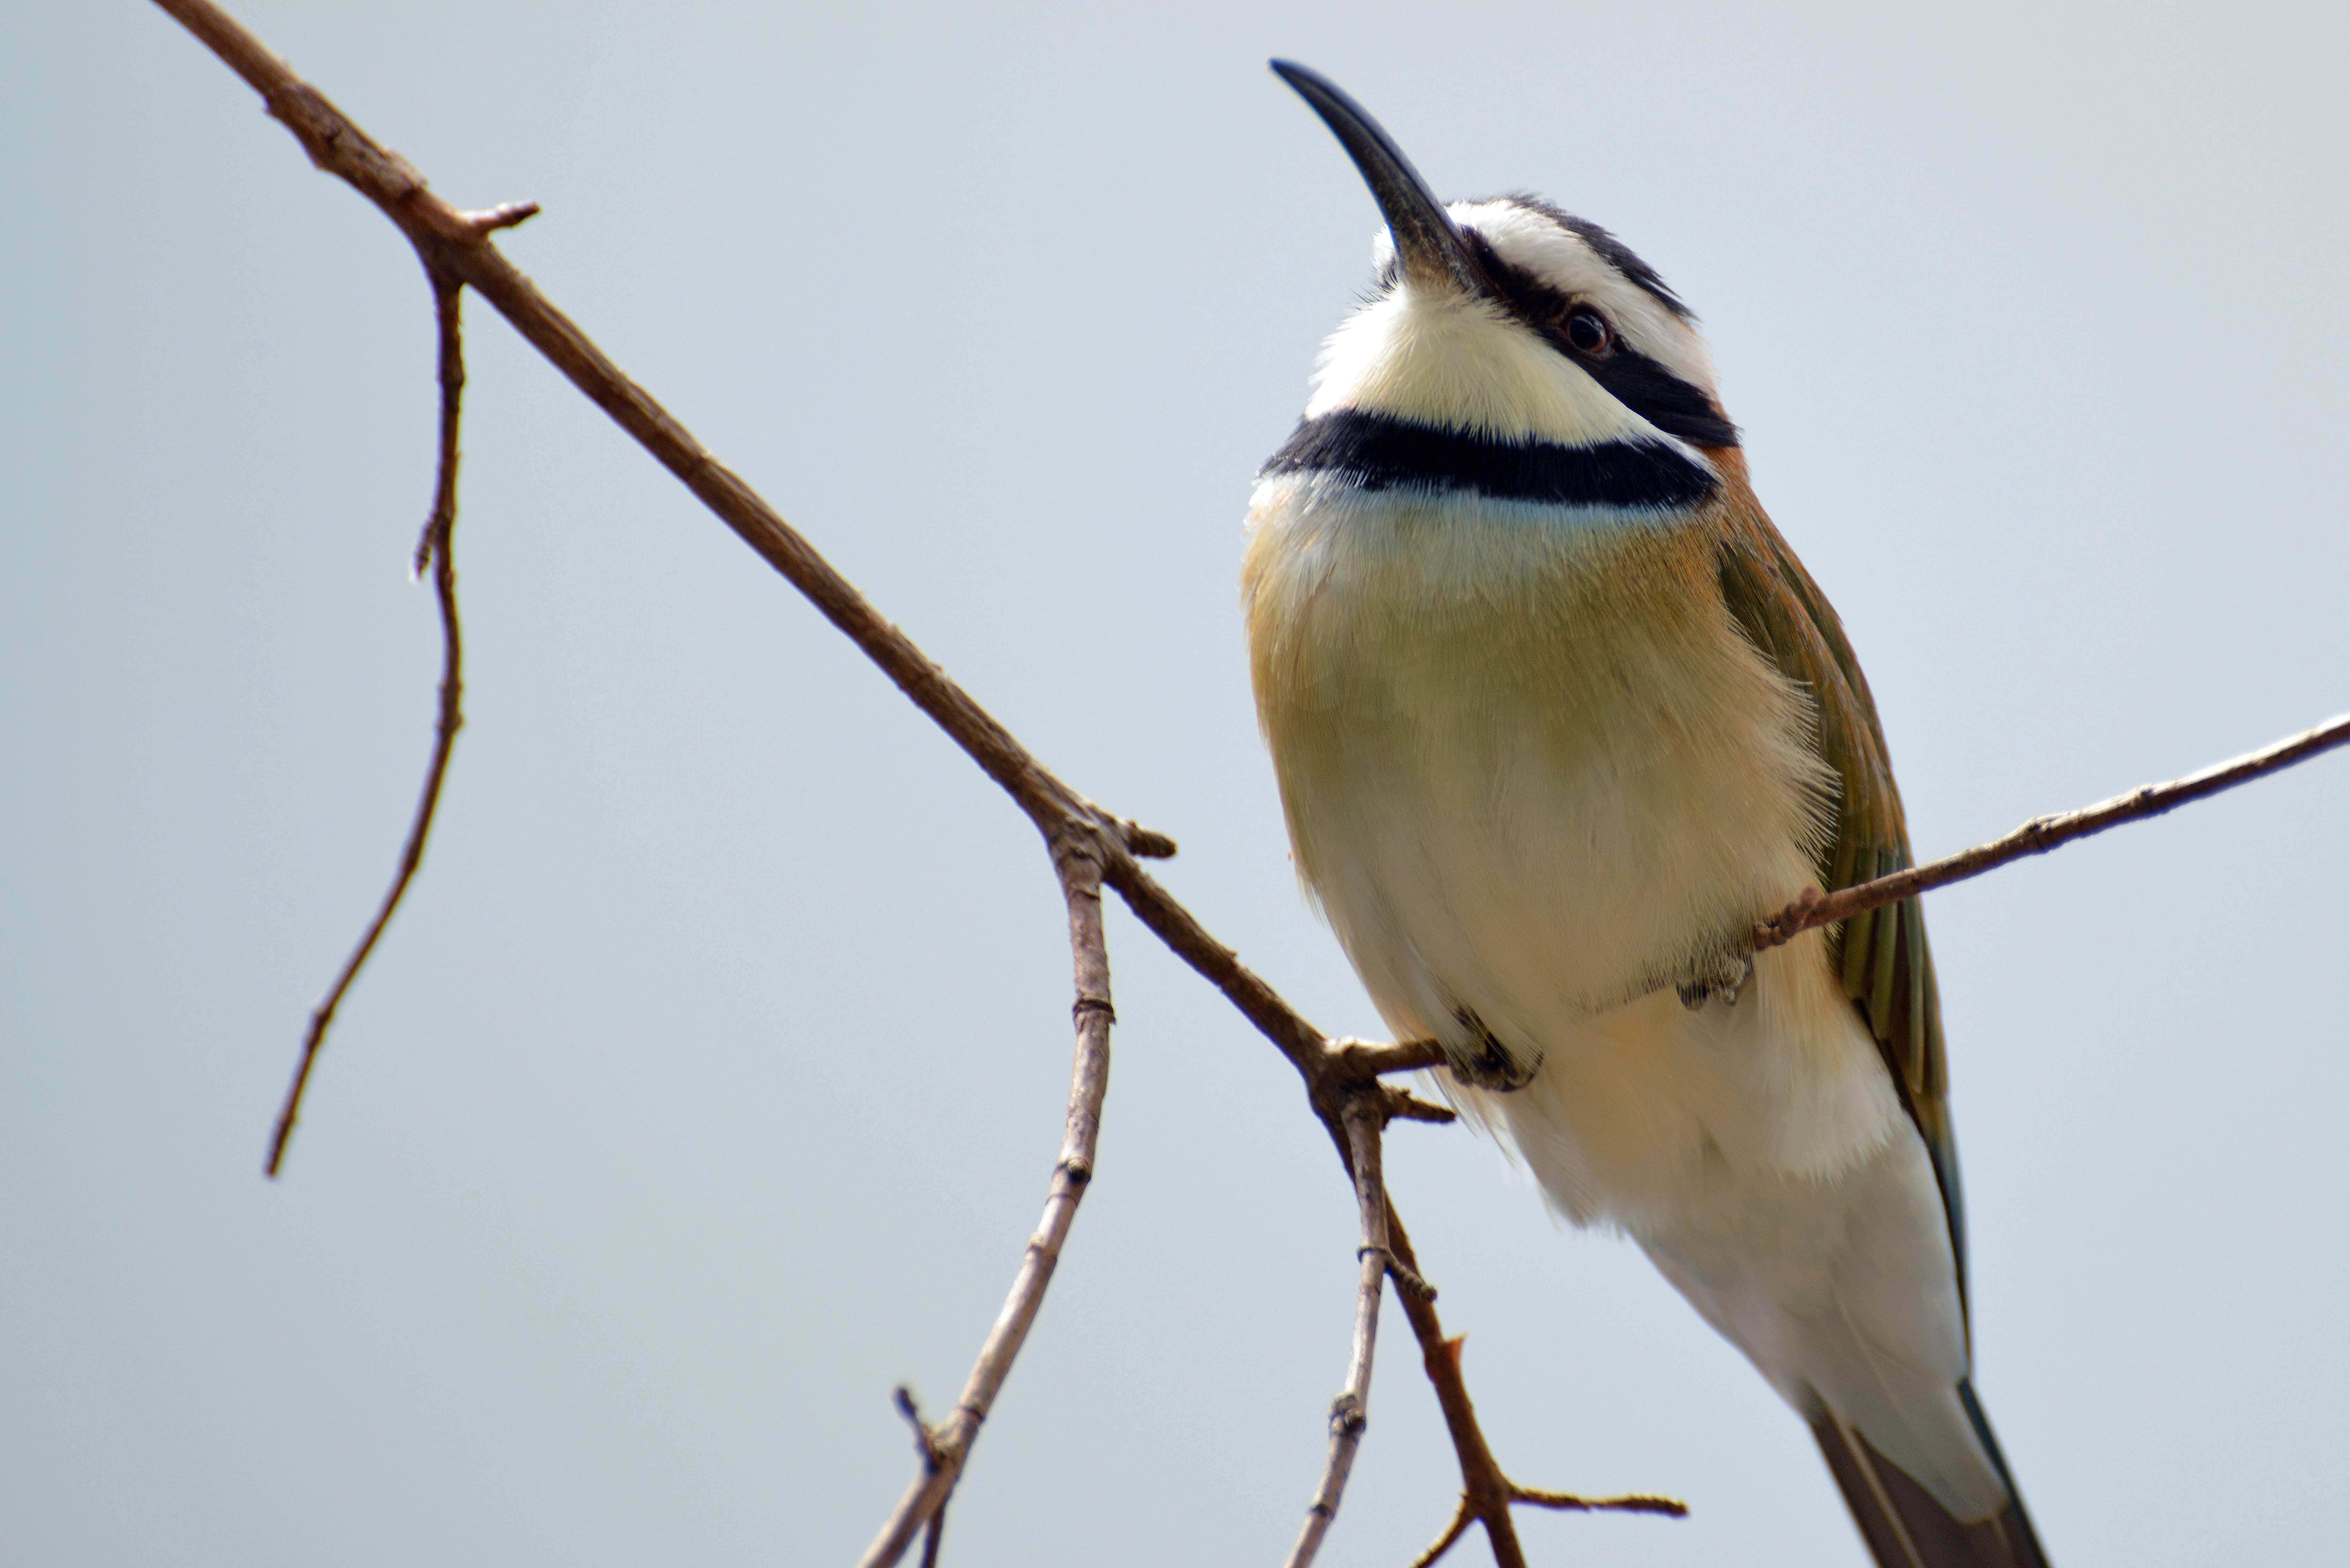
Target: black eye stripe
[1634, 380]
[1659, 397]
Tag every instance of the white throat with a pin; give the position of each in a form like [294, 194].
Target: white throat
[1462, 364]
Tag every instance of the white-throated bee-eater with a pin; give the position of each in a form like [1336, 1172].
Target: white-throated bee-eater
[1557, 717]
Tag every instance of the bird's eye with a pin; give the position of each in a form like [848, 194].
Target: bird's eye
[1587, 330]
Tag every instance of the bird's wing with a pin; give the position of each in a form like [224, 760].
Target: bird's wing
[1888, 972]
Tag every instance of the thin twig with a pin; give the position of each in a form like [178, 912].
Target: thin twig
[1350, 1413]
[1405, 1281]
[1631, 1502]
[2043, 834]
[434, 548]
[926, 1442]
[460, 241]
[1485, 1487]
[951, 1440]
[1567, 1502]
[1461, 1520]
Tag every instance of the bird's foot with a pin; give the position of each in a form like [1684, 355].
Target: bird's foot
[1486, 1062]
[1726, 976]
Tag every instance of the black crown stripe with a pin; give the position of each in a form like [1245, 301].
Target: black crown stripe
[1381, 451]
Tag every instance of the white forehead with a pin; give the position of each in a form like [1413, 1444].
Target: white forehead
[1534, 243]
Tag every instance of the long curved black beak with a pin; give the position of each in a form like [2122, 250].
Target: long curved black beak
[1431, 248]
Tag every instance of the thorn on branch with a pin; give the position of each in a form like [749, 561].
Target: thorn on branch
[505, 215]
[1487, 1492]
[1403, 1107]
[1141, 841]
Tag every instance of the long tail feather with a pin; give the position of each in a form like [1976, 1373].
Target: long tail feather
[1904, 1526]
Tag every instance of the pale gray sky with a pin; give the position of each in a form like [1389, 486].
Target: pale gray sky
[709, 1084]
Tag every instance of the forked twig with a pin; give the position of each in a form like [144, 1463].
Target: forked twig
[1566, 1503]
[1487, 1492]
[926, 1444]
[435, 549]
[1486, 1489]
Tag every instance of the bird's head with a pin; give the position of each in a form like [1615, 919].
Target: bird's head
[1507, 347]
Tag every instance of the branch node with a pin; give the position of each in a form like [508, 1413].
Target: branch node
[1789, 923]
[1346, 1416]
[926, 1440]
[1406, 1281]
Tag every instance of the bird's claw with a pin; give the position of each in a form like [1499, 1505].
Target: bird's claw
[1487, 1064]
[1727, 978]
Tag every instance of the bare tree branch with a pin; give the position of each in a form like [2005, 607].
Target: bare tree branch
[435, 549]
[1090, 847]
[2043, 834]
[457, 243]
[947, 1444]
[460, 240]
[1486, 1492]
[1350, 1412]
[926, 1445]
[926, 1442]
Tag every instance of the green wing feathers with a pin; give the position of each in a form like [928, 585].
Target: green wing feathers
[1888, 972]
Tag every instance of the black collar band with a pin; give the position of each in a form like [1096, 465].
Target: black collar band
[1381, 451]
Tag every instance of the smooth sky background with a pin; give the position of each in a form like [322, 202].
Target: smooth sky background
[710, 1082]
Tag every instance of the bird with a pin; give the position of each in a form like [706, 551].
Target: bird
[1556, 717]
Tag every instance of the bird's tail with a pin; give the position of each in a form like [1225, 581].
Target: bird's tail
[1904, 1525]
